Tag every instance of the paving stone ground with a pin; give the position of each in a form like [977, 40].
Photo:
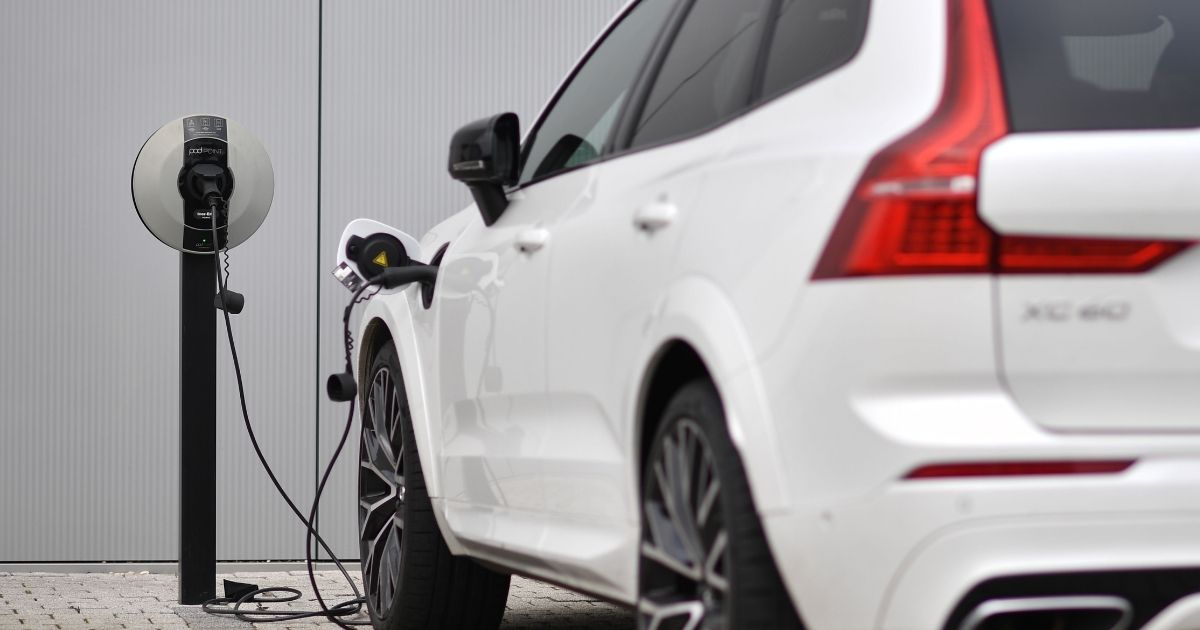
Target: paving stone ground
[94, 601]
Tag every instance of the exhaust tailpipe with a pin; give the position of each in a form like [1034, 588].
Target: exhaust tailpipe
[1066, 612]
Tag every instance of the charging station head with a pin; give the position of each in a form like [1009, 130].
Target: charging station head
[183, 164]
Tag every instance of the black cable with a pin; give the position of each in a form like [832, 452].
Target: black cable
[230, 606]
[308, 559]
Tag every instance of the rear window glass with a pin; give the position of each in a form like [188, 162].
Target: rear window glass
[706, 76]
[812, 37]
[1099, 64]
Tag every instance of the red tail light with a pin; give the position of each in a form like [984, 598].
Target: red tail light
[1019, 469]
[914, 210]
[1033, 254]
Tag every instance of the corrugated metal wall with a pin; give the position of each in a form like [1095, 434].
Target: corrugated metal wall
[89, 319]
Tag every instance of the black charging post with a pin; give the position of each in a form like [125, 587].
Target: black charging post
[183, 190]
[204, 183]
[197, 429]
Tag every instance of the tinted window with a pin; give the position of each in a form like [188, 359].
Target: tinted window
[1099, 64]
[810, 38]
[708, 72]
[577, 125]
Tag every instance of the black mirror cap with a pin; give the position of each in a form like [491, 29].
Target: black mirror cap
[487, 151]
[485, 155]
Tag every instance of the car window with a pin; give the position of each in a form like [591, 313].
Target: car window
[574, 130]
[1099, 64]
[810, 38]
[708, 72]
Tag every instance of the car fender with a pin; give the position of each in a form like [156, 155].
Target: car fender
[695, 310]
[394, 311]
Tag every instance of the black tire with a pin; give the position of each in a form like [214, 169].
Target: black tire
[410, 578]
[685, 571]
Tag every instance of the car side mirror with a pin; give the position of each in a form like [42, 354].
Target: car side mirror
[484, 156]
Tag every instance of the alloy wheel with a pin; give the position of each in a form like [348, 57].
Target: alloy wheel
[381, 491]
[684, 550]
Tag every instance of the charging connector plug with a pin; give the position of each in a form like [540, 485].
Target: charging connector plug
[394, 277]
[229, 300]
[341, 387]
[205, 181]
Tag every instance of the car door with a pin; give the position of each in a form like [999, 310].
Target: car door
[610, 263]
[492, 301]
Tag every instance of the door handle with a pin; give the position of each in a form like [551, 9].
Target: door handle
[653, 217]
[531, 240]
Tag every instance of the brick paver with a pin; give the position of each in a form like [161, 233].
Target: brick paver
[100, 601]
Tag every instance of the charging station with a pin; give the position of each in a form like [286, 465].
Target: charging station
[201, 184]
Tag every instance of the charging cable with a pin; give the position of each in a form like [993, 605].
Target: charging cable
[234, 606]
[341, 388]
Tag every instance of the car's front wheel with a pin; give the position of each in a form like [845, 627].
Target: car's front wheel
[410, 578]
[704, 560]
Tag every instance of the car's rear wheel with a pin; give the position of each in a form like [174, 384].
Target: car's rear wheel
[704, 560]
[410, 578]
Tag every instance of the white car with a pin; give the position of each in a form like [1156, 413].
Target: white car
[831, 313]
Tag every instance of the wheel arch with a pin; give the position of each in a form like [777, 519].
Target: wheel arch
[374, 336]
[675, 364]
[699, 333]
[389, 318]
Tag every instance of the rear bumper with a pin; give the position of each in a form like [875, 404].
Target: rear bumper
[908, 555]
[931, 586]
[878, 377]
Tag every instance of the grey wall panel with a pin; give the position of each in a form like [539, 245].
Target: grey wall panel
[88, 322]
[399, 78]
[88, 325]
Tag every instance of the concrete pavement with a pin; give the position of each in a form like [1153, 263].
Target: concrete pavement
[92, 601]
